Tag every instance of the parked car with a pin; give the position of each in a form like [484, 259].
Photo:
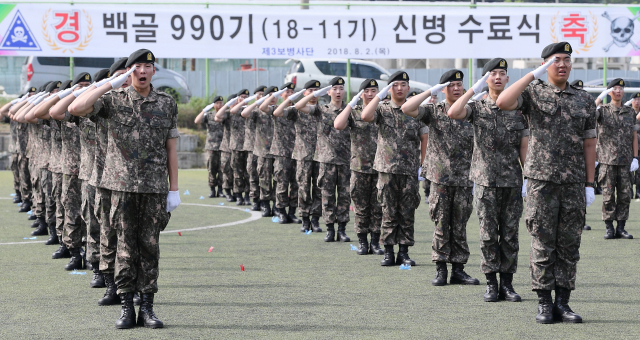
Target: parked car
[303, 70]
[629, 82]
[39, 70]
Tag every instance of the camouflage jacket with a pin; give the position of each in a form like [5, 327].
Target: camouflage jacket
[364, 142]
[32, 143]
[102, 129]
[284, 137]
[306, 127]
[332, 146]
[215, 131]
[139, 127]
[616, 127]
[13, 128]
[44, 136]
[496, 144]
[23, 138]
[264, 131]
[226, 132]
[87, 148]
[70, 145]
[398, 150]
[249, 133]
[236, 141]
[450, 146]
[559, 121]
[55, 161]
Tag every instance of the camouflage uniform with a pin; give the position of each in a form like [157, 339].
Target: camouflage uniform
[214, 138]
[238, 155]
[333, 152]
[450, 201]
[13, 149]
[135, 171]
[55, 166]
[559, 121]
[87, 160]
[397, 161]
[23, 161]
[252, 160]
[497, 173]
[74, 227]
[284, 167]
[225, 154]
[614, 150]
[261, 147]
[364, 179]
[34, 151]
[309, 196]
[636, 177]
[48, 201]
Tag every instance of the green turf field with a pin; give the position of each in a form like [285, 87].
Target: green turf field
[296, 286]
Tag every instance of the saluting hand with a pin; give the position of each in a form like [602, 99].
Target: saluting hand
[248, 99]
[261, 100]
[121, 79]
[537, 73]
[208, 108]
[296, 95]
[479, 95]
[438, 88]
[66, 92]
[477, 87]
[628, 103]
[605, 93]
[383, 93]
[322, 91]
[355, 99]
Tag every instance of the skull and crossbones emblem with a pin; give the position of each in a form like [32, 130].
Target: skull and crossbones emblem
[18, 35]
[621, 31]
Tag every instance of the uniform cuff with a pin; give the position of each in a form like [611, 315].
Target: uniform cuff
[589, 134]
[524, 133]
[424, 130]
[173, 133]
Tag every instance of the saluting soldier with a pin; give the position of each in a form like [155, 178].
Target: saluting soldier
[225, 151]
[13, 149]
[21, 146]
[215, 130]
[252, 160]
[238, 155]
[634, 102]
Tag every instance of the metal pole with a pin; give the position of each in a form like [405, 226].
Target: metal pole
[348, 80]
[470, 72]
[257, 72]
[206, 75]
[304, 4]
[604, 76]
[70, 67]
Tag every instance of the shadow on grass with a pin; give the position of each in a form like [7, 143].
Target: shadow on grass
[279, 328]
[246, 304]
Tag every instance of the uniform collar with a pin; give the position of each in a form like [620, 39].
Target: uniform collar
[334, 108]
[489, 102]
[394, 105]
[152, 97]
[568, 88]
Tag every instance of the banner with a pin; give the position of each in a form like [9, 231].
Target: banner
[411, 32]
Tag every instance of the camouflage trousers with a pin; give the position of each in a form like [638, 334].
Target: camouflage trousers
[56, 192]
[554, 217]
[240, 175]
[227, 172]
[138, 220]
[499, 211]
[617, 190]
[399, 197]
[334, 178]
[254, 179]
[284, 174]
[366, 208]
[38, 207]
[309, 196]
[450, 208]
[74, 228]
[25, 177]
[89, 218]
[636, 179]
[265, 173]
[213, 166]
[108, 235]
[46, 179]
[16, 172]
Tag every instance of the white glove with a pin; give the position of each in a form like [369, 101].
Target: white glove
[23, 98]
[355, 99]
[67, 91]
[173, 200]
[537, 73]
[420, 178]
[15, 100]
[104, 81]
[524, 188]
[40, 99]
[261, 100]
[629, 102]
[121, 79]
[232, 101]
[277, 94]
[383, 93]
[605, 93]
[208, 108]
[588, 191]
[322, 91]
[597, 164]
[477, 87]
[296, 95]
[438, 88]
[81, 91]
[479, 95]
[634, 165]
[33, 98]
[248, 99]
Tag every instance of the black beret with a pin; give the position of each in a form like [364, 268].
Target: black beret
[231, 96]
[260, 88]
[336, 81]
[141, 56]
[270, 89]
[388, 96]
[495, 63]
[54, 85]
[312, 84]
[118, 65]
[577, 82]
[44, 86]
[615, 82]
[289, 85]
[413, 93]
[485, 89]
[561, 47]
[399, 76]
[243, 91]
[217, 99]
[451, 75]
[65, 85]
[82, 77]
[102, 74]
[636, 95]
[368, 83]
[32, 89]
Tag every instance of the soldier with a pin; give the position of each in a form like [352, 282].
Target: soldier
[212, 145]
[225, 151]
[238, 155]
[252, 160]
[21, 146]
[137, 166]
[559, 170]
[616, 150]
[364, 178]
[333, 153]
[634, 102]
[448, 161]
[500, 147]
[13, 126]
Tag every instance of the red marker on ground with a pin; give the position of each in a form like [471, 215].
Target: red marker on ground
[211, 249]
[179, 234]
[242, 267]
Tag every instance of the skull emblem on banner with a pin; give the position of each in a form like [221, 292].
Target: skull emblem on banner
[621, 31]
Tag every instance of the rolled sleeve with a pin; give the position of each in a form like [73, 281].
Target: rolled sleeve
[173, 130]
[424, 130]
[588, 134]
[425, 113]
[470, 108]
[67, 116]
[291, 113]
[524, 133]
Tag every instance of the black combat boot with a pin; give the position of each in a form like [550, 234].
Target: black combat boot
[25, 206]
[212, 194]
[136, 299]
[459, 277]
[283, 218]
[561, 310]
[545, 307]
[441, 274]
[620, 232]
[43, 228]
[239, 199]
[146, 316]
[76, 260]
[586, 227]
[637, 196]
[363, 245]
[127, 313]
[315, 224]
[491, 295]
[265, 206]
[32, 217]
[230, 197]
[292, 216]
[53, 237]
[61, 253]
[98, 279]
[220, 191]
[35, 223]
[17, 198]
[506, 288]
[306, 224]
[610, 233]
[389, 258]
[342, 232]
[403, 256]
[374, 247]
[110, 297]
[256, 205]
[247, 199]
[331, 233]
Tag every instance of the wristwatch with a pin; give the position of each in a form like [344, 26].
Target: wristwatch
[590, 184]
